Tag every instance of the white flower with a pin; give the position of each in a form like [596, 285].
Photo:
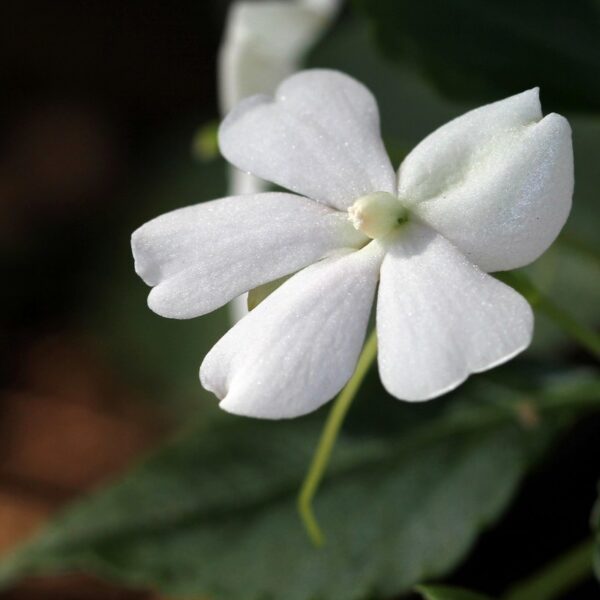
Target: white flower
[264, 42]
[488, 191]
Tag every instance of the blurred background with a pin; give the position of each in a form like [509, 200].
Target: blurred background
[99, 106]
[100, 111]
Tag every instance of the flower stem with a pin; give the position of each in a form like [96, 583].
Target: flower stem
[327, 440]
[588, 338]
[555, 579]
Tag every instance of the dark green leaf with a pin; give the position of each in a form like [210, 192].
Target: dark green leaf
[482, 50]
[214, 513]
[445, 592]
[557, 578]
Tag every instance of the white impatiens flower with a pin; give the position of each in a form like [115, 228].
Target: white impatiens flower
[488, 191]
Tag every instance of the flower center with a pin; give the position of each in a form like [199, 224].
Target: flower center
[377, 214]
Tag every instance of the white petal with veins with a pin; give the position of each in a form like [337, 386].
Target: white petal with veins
[200, 257]
[319, 137]
[298, 348]
[440, 318]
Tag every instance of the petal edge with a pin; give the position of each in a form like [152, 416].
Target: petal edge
[319, 136]
[299, 347]
[200, 257]
[440, 318]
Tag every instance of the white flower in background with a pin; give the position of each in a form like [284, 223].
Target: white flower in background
[264, 42]
[488, 191]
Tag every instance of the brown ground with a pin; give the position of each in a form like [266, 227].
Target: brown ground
[66, 426]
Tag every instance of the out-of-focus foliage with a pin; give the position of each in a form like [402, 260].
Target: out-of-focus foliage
[486, 49]
[214, 513]
[444, 592]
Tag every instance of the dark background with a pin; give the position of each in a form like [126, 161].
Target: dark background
[92, 92]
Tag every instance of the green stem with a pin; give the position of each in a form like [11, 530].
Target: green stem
[555, 579]
[326, 442]
[588, 338]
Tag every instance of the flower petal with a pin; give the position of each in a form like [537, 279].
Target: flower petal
[299, 347]
[497, 182]
[200, 257]
[319, 137]
[440, 318]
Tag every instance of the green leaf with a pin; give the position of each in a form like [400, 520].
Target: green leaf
[214, 512]
[484, 50]
[445, 592]
[557, 578]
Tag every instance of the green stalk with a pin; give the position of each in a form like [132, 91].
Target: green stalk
[555, 579]
[329, 435]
